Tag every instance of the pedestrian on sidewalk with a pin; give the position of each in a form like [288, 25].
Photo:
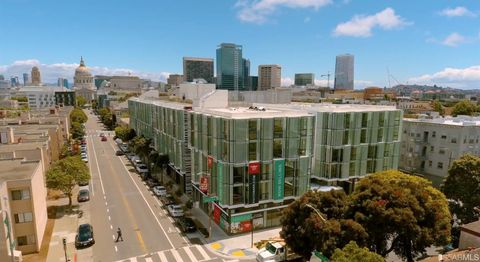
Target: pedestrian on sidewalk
[119, 235]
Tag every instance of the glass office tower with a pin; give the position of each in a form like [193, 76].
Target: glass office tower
[344, 72]
[230, 67]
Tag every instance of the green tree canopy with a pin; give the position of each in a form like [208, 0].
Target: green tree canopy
[77, 130]
[464, 107]
[141, 146]
[77, 115]
[304, 230]
[463, 186]
[81, 101]
[352, 252]
[438, 107]
[125, 133]
[65, 174]
[401, 213]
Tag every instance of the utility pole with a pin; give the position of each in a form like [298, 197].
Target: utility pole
[65, 248]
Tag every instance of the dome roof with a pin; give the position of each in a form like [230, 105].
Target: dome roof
[82, 70]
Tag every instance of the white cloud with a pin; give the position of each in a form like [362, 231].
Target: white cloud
[457, 11]
[258, 11]
[287, 81]
[50, 72]
[454, 77]
[361, 25]
[454, 39]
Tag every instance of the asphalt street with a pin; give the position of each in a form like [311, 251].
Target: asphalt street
[119, 198]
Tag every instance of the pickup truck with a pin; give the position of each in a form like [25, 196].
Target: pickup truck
[276, 251]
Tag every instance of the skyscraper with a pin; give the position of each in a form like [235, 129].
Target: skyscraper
[26, 79]
[195, 67]
[62, 82]
[344, 72]
[304, 79]
[36, 79]
[246, 74]
[269, 76]
[230, 67]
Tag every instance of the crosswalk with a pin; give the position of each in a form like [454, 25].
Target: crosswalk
[96, 133]
[193, 253]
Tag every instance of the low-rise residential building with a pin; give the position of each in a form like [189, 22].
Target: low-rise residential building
[430, 145]
[22, 187]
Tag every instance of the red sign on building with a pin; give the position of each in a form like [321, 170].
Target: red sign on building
[209, 162]
[246, 226]
[216, 214]
[204, 184]
[254, 168]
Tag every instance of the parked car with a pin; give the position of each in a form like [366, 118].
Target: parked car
[102, 135]
[117, 140]
[104, 138]
[167, 200]
[119, 153]
[141, 168]
[85, 159]
[83, 154]
[84, 236]
[136, 160]
[175, 210]
[83, 183]
[159, 191]
[83, 195]
[123, 147]
[186, 225]
[84, 141]
[152, 182]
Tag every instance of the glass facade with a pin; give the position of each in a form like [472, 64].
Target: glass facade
[194, 68]
[354, 144]
[304, 79]
[230, 67]
[344, 72]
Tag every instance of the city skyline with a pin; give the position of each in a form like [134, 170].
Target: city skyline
[440, 39]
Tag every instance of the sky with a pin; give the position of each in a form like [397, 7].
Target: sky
[407, 42]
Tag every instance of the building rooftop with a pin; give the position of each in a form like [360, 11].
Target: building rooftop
[251, 112]
[198, 59]
[16, 169]
[452, 121]
[21, 146]
[336, 108]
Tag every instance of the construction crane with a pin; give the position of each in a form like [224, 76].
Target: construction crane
[328, 78]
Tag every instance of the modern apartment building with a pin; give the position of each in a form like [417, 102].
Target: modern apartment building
[254, 160]
[304, 79]
[230, 67]
[344, 72]
[429, 146]
[38, 96]
[23, 193]
[352, 141]
[269, 76]
[195, 68]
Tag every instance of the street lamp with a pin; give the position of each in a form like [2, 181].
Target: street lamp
[318, 213]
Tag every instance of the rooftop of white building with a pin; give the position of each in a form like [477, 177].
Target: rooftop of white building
[335, 108]
[251, 112]
[454, 121]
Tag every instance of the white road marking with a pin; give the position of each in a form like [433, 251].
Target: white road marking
[162, 256]
[202, 252]
[106, 203]
[190, 254]
[111, 227]
[113, 236]
[171, 219]
[116, 249]
[105, 197]
[148, 259]
[149, 207]
[108, 210]
[98, 167]
[109, 218]
[177, 256]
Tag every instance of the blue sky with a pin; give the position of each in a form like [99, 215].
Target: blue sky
[427, 41]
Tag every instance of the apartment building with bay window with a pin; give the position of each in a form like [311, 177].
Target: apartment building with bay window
[256, 160]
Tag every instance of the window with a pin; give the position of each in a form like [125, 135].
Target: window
[23, 217]
[364, 119]
[434, 134]
[454, 140]
[252, 129]
[277, 148]
[278, 128]
[444, 137]
[441, 151]
[238, 175]
[432, 148]
[363, 136]
[20, 194]
[440, 165]
[430, 163]
[26, 240]
[252, 151]
[337, 155]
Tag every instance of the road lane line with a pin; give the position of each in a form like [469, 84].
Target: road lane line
[111, 227]
[176, 255]
[116, 249]
[162, 256]
[108, 210]
[98, 167]
[190, 254]
[202, 252]
[149, 207]
[148, 259]
[113, 236]
[91, 174]
[109, 218]
[106, 203]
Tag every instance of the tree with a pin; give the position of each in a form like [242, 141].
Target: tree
[122, 132]
[77, 115]
[352, 252]
[401, 210]
[141, 147]
[77, 130]
[463, 187]
[304, 230]
[464, 107]
[81, 101]
[437, 107]
[65, 174]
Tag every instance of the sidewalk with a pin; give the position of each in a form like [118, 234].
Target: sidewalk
[232, 246]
